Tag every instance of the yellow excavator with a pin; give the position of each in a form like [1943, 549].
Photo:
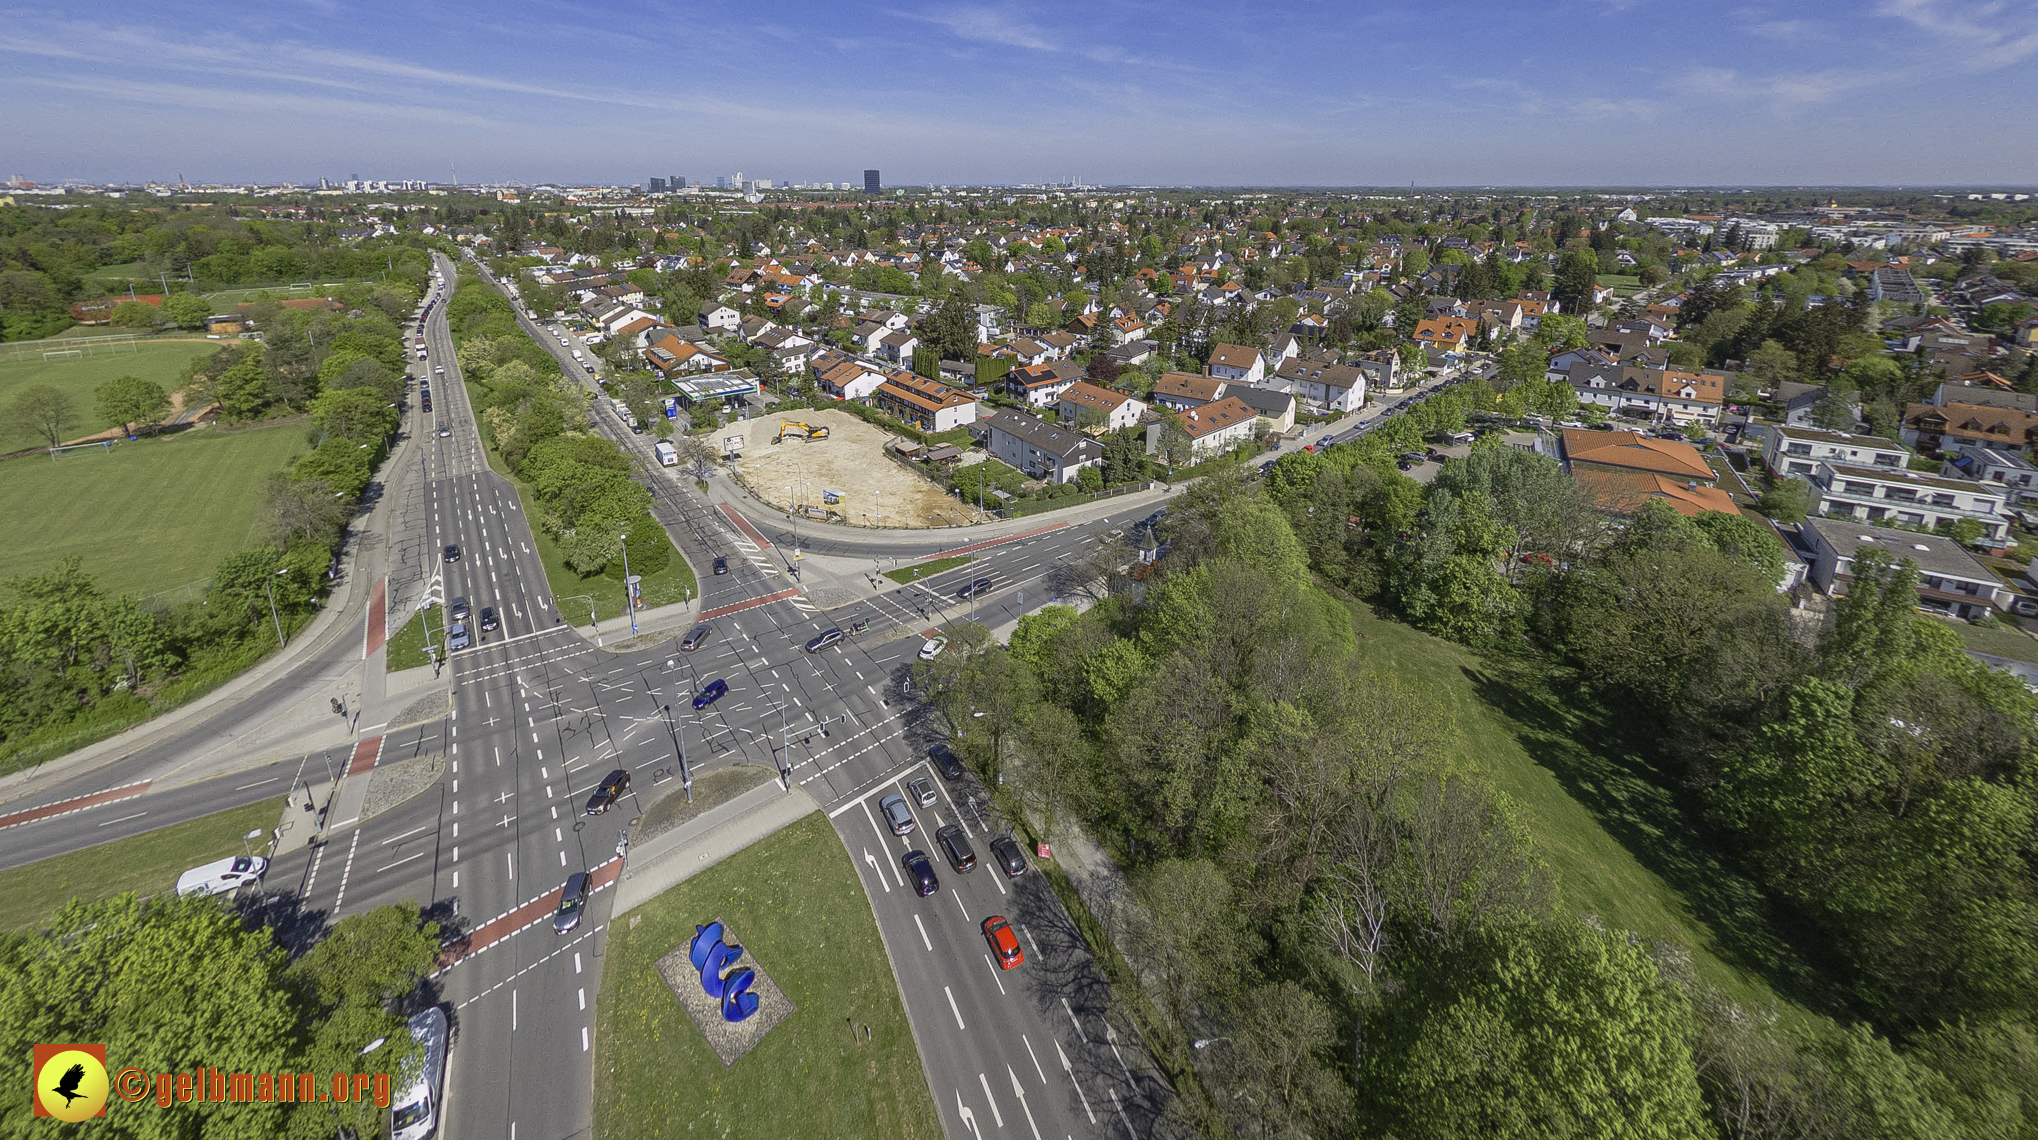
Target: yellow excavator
[800, 430]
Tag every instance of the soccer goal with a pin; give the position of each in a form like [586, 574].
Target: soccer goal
[51, 355]
[102, 445]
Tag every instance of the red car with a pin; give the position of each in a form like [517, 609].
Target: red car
[1004, 943]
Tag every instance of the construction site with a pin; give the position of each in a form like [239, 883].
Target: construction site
[802, 460]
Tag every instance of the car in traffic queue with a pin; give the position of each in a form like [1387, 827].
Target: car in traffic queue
[825, 639]
[920, 870]
[1004, 943]
[898, 816]
[956, 848]
[1006, 851]
[921, 790]
[609, 791]
[945, 762]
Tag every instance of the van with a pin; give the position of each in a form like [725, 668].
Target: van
[224, 877]
[416, 1115]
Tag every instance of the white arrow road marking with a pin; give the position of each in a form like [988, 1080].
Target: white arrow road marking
[1071, 1071]
[872, 860]
[1021, 1094]
[969, 1118]
[996, 1116]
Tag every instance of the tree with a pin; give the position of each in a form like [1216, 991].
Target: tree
[186, 310]
[128, 401]
[306, 510]
[1276, 1078]
[1577, 280]
[1772, 363]
[357, 415]
[1174, 445]
[42, 411]
[350, 988]
[1186, 934]
[1054, 772]
[951, 332]
[1787, 500]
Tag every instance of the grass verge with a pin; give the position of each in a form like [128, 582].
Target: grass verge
[145, 864]
[406, 649]
[926, 569]
[148, 515]
[795, 902]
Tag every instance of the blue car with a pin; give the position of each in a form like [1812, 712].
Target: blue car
[710, 693]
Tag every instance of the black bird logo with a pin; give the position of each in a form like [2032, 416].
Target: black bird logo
[68, 1086]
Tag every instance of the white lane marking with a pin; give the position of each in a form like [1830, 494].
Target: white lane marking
[1111, 1036]
[582, 991]
[402, 861]
[996, 1116]
[959, 906]
[122, 819]
[1030, 941]
[1071, 1071]
[1036, 1059]
[923, 934]
[258, 783]
[877, 870]
[994, 975]
[347, 872]
[508, 858]
[583, 1038]
[1121, 1114]
[952, 1008]
[1072, 1021]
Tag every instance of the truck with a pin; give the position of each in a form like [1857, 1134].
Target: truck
[420, 348]
[668, 455]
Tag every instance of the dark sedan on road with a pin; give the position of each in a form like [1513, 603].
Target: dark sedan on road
[711, 692]
[721, 566]
[825, 639]
[1006, 851]
[489, 622]
[920, 869]
[694, 638]
[955, 846]
[611, 789]
[571, 900]
[974, 588]
[451, 553]
[945, 762]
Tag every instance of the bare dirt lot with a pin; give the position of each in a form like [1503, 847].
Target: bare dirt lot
[850, 460]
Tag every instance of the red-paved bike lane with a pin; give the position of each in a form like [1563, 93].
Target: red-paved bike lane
[75, 803]
[378, 617]
[509, 922]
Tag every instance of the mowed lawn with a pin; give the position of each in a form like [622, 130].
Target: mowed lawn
[162, 361]
[148, 515]
[794, 902]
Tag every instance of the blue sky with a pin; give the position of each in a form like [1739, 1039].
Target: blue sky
[1574, 92]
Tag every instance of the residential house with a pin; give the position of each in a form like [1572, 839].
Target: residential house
[845, 377]
[1934, 428]
[1236, 362]
[1180, 391]
[1131, 355]
[1040, 385]
[898, 347]
[1382, 368]
[1324, 387]
[1986, 464]
[1793, 450]
[1985, 395]
[1118, 409]
[1213, 428]
[1627, 451]
[1050, 451]
[1625, 492]
[926, 404]
[1276, 410]
[1058, 344]
[1879, 494]
[1127, 329]
[1451, 334]
[719, 317]
[1950, 580]
[1652, 393]
[1801, 402]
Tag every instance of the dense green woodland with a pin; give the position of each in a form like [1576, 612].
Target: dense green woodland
[1373, 927]
[76, 663]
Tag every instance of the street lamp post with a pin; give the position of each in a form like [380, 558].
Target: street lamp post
[269, 584]
[629, 586]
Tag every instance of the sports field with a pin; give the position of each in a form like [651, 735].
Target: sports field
[159, 360]
[148, 515]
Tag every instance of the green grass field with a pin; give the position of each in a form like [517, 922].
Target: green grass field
[109, 276]
[1618, 844]
[146, 864]
[148, 515]
[161, 361]
[795, 902]
[407, 645]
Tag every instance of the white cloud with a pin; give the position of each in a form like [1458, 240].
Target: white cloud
[1991, 34]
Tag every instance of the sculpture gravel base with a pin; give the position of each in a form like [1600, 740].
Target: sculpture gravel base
[729, 1040]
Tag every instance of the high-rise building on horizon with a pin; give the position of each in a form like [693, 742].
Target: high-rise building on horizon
[656, 186]
[871, 183]
[676, 182]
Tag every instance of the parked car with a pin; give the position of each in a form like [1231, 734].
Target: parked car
[955, 847]
[489, 622]
[974, 588]
[694, 638]
[572, 898]
[897, 815]
[825, 639]
[920, 869]
[721, 565]
[1004, 943]
[451, 553]
[932, 647]
[921, 789]
[609, 791]
[945, 762]
[711, 692]
[1006, 851]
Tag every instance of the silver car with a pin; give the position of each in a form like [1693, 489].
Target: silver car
[897, 815]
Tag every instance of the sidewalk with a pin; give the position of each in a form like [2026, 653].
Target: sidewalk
[699, 843]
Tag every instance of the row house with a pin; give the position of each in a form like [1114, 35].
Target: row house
[926, 404]
[1950, 580]
[1275, 409]
[1879, 494]
[1042, 450]
[1180, 391]
[846, 377]
[1652, 393]
[1792, 450]
[1988, 465]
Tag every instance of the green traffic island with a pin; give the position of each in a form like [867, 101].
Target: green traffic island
[841, 1060]
[924, 570]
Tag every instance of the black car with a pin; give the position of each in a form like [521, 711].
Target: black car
[945, 761]
[451, 553]
[611, 789]
[458, 610]
[825, 639]
[1007, 853]
[571, 899]
[974, 588]
[694, 637]
[956, 848]
[721, 566]
[920, 869]
[489, 622]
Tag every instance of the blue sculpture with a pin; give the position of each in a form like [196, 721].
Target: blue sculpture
[710, 955]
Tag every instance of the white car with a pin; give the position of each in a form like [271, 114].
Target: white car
[933, 647]
[223, 877]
